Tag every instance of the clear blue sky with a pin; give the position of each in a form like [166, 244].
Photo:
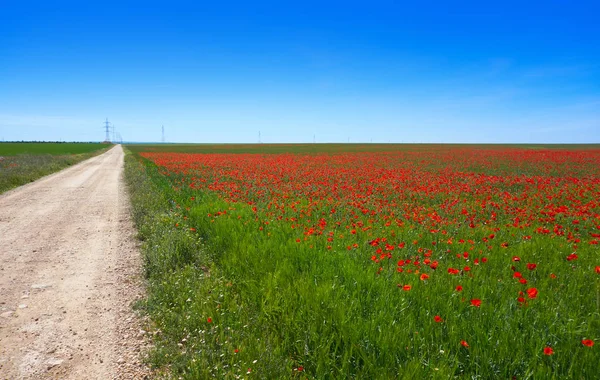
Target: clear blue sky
[511, 71]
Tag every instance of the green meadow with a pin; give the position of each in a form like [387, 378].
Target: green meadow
[24, 162]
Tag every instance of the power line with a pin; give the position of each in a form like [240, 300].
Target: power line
[107, 128]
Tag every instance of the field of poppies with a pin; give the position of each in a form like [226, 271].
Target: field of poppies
[392, 261]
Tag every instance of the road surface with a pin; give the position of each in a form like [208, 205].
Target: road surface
[69, 272]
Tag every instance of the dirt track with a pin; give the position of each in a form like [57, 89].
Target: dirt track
[69, 271]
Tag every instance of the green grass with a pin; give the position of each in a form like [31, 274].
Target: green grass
[229, 300]
[21, 163]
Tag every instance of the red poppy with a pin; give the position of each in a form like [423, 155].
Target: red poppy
[209, 320]
[523, 281]
[438, 319]
[464, 343]
[597, 269]
[406, 288]
[459, 288]
[517, 275]
[587, 342]
[572, 256]
[476, 302]
[548, 351]
[531, 266]
[532, 293]
[424, 277]
[516, 258]
[453, 271]
[300, 369]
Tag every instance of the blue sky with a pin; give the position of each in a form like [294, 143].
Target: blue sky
[381, 71]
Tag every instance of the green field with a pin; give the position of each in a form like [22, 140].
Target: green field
[21, 163]
[370, 261]
[53, 148]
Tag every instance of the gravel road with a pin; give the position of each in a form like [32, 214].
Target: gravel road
[69, 272]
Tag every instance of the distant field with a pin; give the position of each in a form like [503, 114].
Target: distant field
[331, 148]
[21, 163]
[12, 149]
[371, 261]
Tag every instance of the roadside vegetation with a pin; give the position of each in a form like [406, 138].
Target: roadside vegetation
[400, 262]
[21, 163]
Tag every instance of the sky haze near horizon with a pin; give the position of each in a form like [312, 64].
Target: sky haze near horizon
[334, 71]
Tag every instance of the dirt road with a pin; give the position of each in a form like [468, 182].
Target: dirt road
[69, 271]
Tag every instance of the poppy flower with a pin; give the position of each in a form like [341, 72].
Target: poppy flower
[424, 277]
[587, 342]
[532, 293]
[209, 320]
[406, 288]
[476, 302]
[597, 269]
[453, 271]
[464, 343]
[516, 258]
[531, 266]
[548, 351]
[572, 256]
[438, 319]
[459, 288]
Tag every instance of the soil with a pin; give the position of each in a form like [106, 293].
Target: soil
[70, 271]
